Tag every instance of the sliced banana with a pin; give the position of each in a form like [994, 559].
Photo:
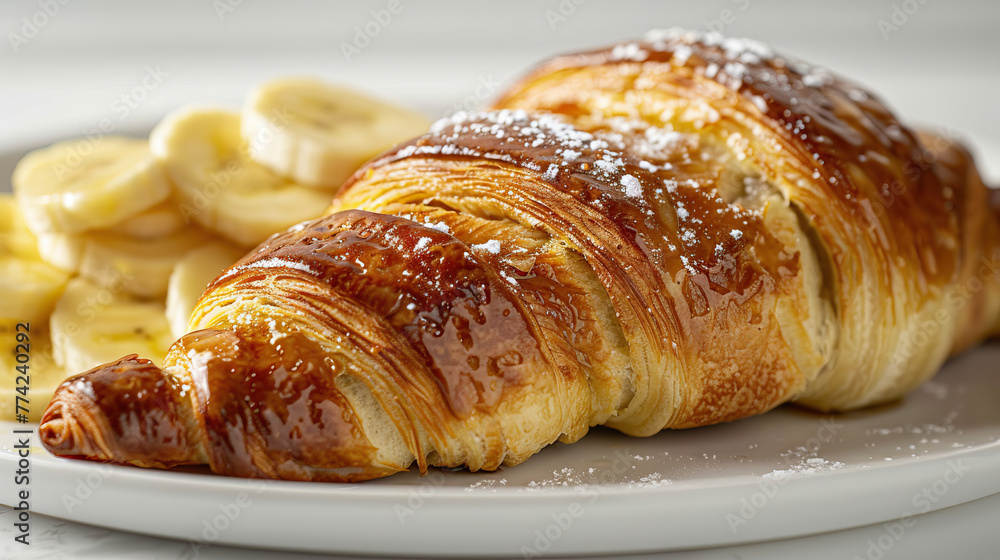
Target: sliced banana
[317, 133]
[191, 276]
[30, 289]
[15, 239]
[62, 250]
[141, 267]
[163, 219]
[80, 185]
[39, 379]
[219, 186]
[29, 286]
[93, 325]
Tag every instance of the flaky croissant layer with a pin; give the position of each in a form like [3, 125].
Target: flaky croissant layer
[668, 233]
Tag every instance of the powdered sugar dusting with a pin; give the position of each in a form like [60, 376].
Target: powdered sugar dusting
[550, 173]
[661, 138]
[272, 262]
[747, 51]
[625, 162]
[809, 465]
[628, 51]
[491, 246]
[422, 244]
[733, 67]
[817, 77]
[681, 54]
[299, 226]
[438, 226]
[592, 478]
[632, 186]
[487, 484]
[547, 144]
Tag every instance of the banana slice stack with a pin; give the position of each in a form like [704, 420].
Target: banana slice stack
[107, 243]
[31, 288]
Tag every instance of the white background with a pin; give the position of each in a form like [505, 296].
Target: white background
[64, 73]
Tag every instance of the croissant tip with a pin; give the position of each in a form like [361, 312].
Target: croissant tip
[55, 431]
[63, 432]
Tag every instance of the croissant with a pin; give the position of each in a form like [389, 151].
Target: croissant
[667, 233]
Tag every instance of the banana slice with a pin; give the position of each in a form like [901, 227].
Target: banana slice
[29, 286]
[154, 226]
[317, 133]
[163, 219]
[30, 289]
[191, 276]
[92, 325]
[140, 267]
[80, 185]
[42, 374]
[62, 250]
[219, 186]
[15, 239]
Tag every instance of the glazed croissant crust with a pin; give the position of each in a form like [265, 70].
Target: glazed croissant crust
[668, 233]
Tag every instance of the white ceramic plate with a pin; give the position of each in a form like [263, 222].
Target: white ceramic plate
[786, 473]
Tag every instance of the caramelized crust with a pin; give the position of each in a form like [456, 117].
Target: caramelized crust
[886, 227]
[668, 233]
[681, 265]
[125, 411]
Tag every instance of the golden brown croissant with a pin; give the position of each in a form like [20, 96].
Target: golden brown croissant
[669, 233]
